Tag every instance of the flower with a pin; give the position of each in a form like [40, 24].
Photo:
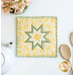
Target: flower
[20, 8]
[6, 10]
[29, 2]
[15, 6]
[18, 11]
[6, 6]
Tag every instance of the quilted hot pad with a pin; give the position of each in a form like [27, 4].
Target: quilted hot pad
[36, 36]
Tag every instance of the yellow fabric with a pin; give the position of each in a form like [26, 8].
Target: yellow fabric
[25, 49]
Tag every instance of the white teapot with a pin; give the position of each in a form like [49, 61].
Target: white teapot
[7, 58]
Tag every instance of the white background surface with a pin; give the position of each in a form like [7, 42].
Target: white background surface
[40, 66]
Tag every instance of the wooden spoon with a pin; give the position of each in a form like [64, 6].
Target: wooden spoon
[71, 38]
[66, 53]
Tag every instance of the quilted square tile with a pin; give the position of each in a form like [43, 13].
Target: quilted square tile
[36, 36]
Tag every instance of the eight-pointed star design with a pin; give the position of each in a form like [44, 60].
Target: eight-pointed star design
[37, 37]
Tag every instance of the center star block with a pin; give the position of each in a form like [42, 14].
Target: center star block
[37, 37]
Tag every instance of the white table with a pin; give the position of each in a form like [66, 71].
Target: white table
[40, 66]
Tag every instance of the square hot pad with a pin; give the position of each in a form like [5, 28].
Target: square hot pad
[36, 36]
